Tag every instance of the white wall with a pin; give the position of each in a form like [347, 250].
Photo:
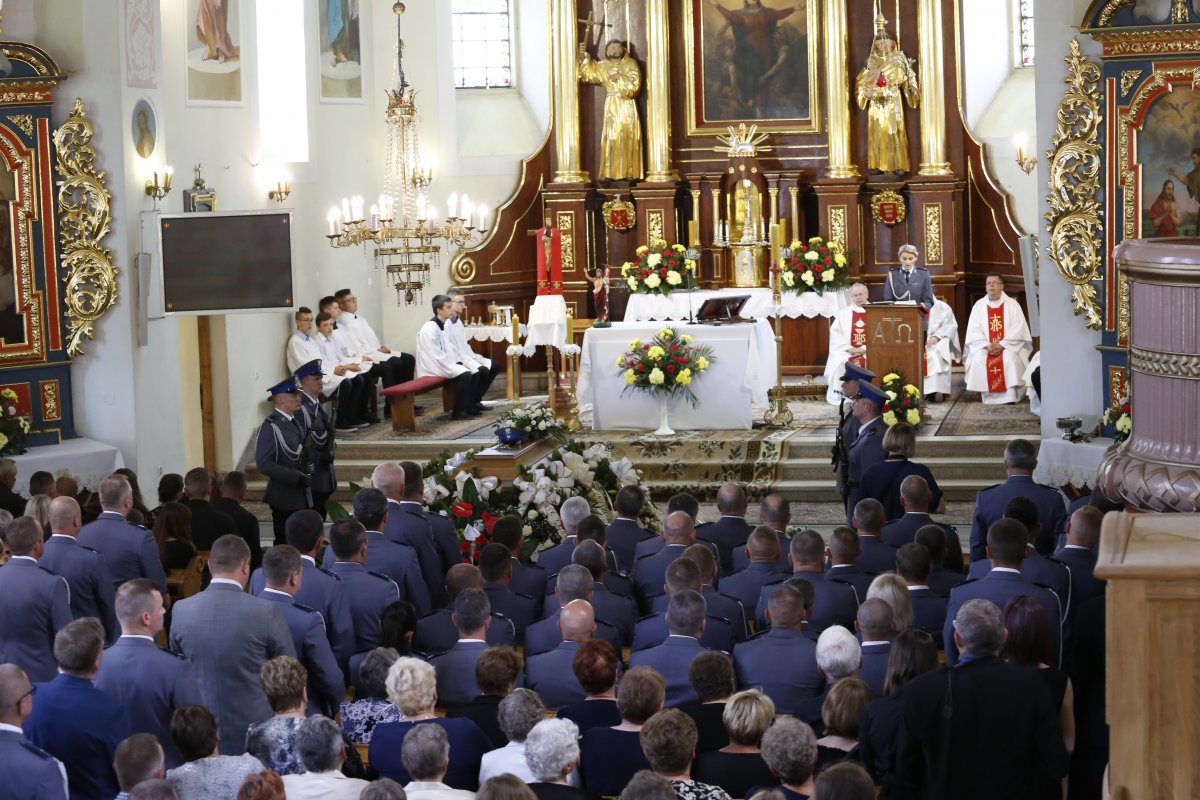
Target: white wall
[987, 58]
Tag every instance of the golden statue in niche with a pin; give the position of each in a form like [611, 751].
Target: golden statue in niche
[621, 135]
[884, 83]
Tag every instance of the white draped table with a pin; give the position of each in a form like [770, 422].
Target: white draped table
[89, 461]
[728, 392]
[1060, 462]
[679, 305]
[492, 333]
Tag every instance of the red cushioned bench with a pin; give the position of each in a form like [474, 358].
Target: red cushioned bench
[402, 397]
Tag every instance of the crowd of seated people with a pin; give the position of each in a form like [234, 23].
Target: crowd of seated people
[286, 678]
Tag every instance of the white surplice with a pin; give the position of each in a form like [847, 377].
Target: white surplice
[946, 352]
[303, 348]
[457, 333]
[435, 354]
[1017, 344]
[839, 352]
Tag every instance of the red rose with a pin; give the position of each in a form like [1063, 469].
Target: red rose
[1125, 409]
[645, 273]
[670, 367]
[464, 546]
[645, 347]
[674, 348]
[489, 522]
[641, 367]
[462, 509]
[824, 250]
[663, 271]
[907, 403]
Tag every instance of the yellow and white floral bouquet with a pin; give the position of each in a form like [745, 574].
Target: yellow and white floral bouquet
[667, 364]
[659, 269]
[814, 266]
[904, 402]
[1120, 418]
[14, 424]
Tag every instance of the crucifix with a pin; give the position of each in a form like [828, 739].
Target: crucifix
[549, 258]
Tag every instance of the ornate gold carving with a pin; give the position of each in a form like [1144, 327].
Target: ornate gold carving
[837, 226]
[565, 222]
[1147, 42]
[22, 121]
[1179, 13]
[620, 215]
[51, 410]
[1128, 78]
[655, 226]
[888, 207]
[1110, 9]
[463, 270]
[1116, 386]
[1122, 306]
[1074, 216]
[22, 162]
[1167, 365]
[84, 220]
[933, 233]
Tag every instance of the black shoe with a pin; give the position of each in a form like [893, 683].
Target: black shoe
[346, 427]
[418, 411]
[371, 420]
[480, 407]
[471, 412]
[361, 423]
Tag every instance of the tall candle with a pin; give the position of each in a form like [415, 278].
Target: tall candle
[452, 204]
[516, 329]
[693, 235]
[331, 217]
[483, 212]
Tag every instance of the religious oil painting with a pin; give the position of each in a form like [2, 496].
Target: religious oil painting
[340, 51]
[752, 61]
[144, 128]
[214, 59]
[1168, 152]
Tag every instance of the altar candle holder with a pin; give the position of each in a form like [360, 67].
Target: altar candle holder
[779, 416]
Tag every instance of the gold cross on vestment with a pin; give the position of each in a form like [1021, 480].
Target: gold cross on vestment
[997, 324]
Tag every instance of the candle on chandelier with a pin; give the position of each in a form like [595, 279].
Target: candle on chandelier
[345, 209]
[374, 217]
[332, 218]
[483, 212]
[452, 205]
[429, 219]
[466, 210]
[356, 206]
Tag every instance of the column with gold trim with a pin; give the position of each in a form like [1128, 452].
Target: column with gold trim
[933, 90]
[658, 95]
[566, 94]
[837, 91]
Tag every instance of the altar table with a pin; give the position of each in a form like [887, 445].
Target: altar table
[728, 392]
[1063, 463]
[677, 305]
[89, 461]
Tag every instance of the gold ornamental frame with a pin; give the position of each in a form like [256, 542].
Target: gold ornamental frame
[888, 198]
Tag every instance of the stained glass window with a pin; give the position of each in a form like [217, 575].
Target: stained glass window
[1025, 33]
[481, 36]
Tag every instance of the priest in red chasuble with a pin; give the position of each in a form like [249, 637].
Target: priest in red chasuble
[998, 346]
[847, 341]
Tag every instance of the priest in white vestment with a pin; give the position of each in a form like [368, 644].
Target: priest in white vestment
[436, 356]
[847, 341]
[997, 346]
[942, 348]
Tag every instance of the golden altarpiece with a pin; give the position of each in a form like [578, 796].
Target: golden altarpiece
[794, 70]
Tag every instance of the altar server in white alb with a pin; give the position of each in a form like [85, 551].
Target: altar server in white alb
[458, 335]
[997, 345]
[847, 341]
[436, 356]
[942, 348]
[341, 379]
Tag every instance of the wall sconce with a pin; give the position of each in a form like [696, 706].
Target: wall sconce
[156, 189]
[1025, 161]
[280, 191]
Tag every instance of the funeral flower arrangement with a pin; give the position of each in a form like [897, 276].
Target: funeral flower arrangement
[814, 266]
[14, 427]
[536, 419]
[665, 365]
[904, 401]
[1120, 418]
[659, 269]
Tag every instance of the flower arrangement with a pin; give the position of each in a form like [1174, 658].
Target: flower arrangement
[1120, 417]
[814, 266]
[14, 427]
[665, 365]
[904, 401]
[659, 269]
[536, 419]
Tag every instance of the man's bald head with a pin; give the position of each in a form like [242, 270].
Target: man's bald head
[874, 620]
[679, 528]
[775, 511]
[14, 685]
[763, 545]
[1084, 528]
[461, 577]
[682, 574]
[64, 515]
[577, 621]
[914, 494]
[388, 478]
[731, 500]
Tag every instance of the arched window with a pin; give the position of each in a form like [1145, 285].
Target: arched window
[481, 35]
[1024, 33]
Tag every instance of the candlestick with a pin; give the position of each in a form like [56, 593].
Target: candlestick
[332, 217]
[374, 217]
[693, 234]
[346, 209]
[516, 329]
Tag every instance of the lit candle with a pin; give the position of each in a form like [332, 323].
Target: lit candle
[483, 212]
[332, 217]
[1021, 141]
[452, 204]
[516, 329]
[168, 171]
[356, 205]
[466, 208]
[374, 217]
[429, 219]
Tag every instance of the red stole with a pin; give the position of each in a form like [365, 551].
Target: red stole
[995, 363]
[858, 336]
[549, 266]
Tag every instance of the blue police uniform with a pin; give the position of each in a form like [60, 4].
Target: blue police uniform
[552, 676]
[672, 659]
[544, 635]
[279, 453]
[129, 550]
[1039, 570]
[1082, 563]
[522, 609]
[647, 547]
[943, 581]
[367, 594]
[152, 683]
[990, 503]
[903, 530]
[445, 540]
[876, 557]
[322, 448]
[553, 559]
[455, 670]
[396, 561]
[912, 285]
[87, 575]
[874, 665]
[436, 633]
[652, 630]
[722, 605]
[326, 683]
[835, 603]
[746, 585]
[999, 586]
[321, 589]
[36, 604]
[650, 573]
[851, 574]
[615, 581]
[782, 663]
[30, 773]
[529, 579]
[81, 726]
[728, 534]
[741, 560]
[615, 609]
[623, 536]
[929, 611]
[407, 525]
[866, 451]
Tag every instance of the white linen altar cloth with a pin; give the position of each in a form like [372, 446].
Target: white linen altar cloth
[547, 321]
[728, 392]
[1060, 462]
[675, 305]
[89, 461]
[492, 333]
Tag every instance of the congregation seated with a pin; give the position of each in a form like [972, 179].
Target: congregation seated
[595, 668]
[1020, 460]
[719, 603]
[625, 533]
[552, 755]
[205, 773]
[915, 500]
[738, 766]
[711, 675]
[913, 653]
[844, 781]
[426, 753]
[835, 602]
[505, 787]
[790, 750]
[875, 556]
[436, 633]
[843, 552]
[929, 608]
[609, 757]
[38, 509]
[882, 481]
[456, 667]
[497, 672]
[397, 625]
[273, 741]
[683, 575]
[781, 661]
[841, 713]
[265, 785]
[170, 490]
[892, 589]
[943, 576]
[1027, 644]
[838, 657]
[728, 533]
[612, 594]
[517, 714]
[876, 625]
[550, 674]
[762, 554]
[669, 741]
[412, 686]
[774, 513]
[321, 752]
[1036, 568]
[685, 617]
[370, 707]
[173, 532]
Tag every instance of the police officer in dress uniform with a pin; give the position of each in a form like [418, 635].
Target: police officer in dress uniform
[908, 281]
[867, 449]
[281, 454]
[30, 773]
[322, 447]
[848, 424]
[36, 603]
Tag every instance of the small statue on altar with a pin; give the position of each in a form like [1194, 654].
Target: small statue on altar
[881, 88]
[621, 135]
[600, 296]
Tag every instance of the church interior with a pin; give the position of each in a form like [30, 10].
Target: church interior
[183, 180]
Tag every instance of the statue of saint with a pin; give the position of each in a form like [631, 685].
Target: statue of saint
[600, 295]
[621, 136]
[878, 88]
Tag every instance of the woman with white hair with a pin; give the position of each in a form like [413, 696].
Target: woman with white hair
[893, 590]
[517, 714]
[552, 754]
[739, 766]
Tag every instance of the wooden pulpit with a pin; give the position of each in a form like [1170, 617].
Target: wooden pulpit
[896, 341]
[1152, 565]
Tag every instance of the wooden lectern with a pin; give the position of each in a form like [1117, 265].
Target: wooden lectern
[896, 341]
[1152, 565]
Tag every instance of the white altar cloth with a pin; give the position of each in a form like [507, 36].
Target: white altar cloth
[675, 306]
[89, 461]
[728, 392]
[547, 321]
[492, 333]
[1061, 462]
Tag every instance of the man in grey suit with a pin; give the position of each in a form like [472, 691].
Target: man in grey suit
[908, 281]
[228, 634]
[129, 550]
[83, 568]
[29, 771]
[551, 674]
[36, 604]
[456, 667]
